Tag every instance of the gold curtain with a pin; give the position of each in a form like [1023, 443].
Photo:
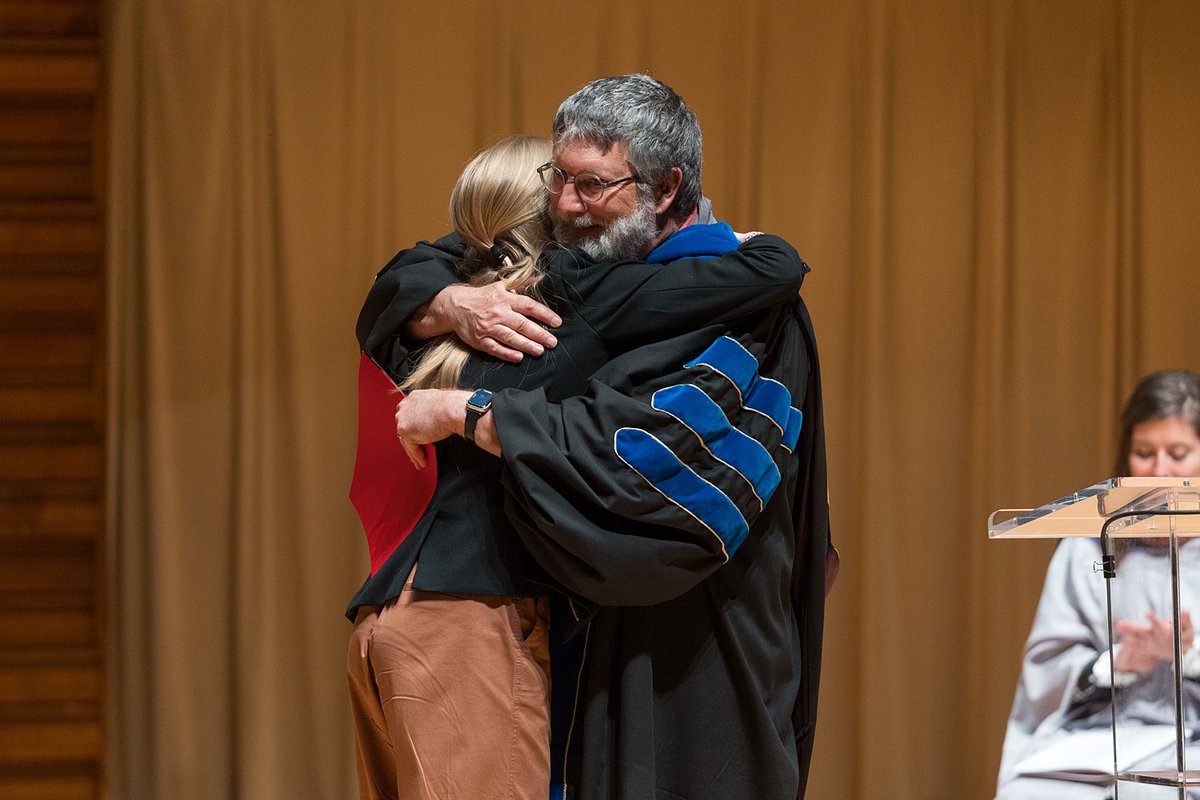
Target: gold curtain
[998, 202]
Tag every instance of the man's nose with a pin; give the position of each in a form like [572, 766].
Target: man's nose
[568, 200]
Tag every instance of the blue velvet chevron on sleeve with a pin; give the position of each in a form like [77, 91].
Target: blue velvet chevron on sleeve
[737, 419]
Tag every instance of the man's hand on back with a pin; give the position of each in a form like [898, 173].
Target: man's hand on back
[490, 319]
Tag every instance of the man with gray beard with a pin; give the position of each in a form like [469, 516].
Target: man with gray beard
[624, 179]
[680, 505]
[614, 218]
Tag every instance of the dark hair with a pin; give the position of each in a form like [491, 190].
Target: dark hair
[1168, 393]
[650, 119]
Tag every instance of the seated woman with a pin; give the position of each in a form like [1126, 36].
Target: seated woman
[1066, 678]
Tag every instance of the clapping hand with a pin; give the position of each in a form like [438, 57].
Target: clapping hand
[1145, 645]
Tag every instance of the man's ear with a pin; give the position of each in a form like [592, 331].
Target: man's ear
[666, 189]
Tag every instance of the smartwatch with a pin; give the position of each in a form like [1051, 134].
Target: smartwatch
[477, 405]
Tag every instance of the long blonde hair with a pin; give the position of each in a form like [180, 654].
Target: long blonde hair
[498, 207]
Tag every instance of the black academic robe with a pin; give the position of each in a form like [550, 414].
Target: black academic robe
[699, 586]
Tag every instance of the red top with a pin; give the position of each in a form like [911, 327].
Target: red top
[389, 493]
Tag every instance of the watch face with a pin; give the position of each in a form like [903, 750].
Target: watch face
[480, 401]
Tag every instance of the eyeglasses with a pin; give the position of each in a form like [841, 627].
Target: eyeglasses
[589, 187]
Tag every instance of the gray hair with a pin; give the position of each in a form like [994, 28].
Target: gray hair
[653, 122]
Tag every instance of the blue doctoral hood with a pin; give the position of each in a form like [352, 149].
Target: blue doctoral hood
[695, 241]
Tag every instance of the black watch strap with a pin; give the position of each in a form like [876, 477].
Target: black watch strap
[477, 405]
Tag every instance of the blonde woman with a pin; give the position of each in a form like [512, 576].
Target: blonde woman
[504, 234]
[449, 660]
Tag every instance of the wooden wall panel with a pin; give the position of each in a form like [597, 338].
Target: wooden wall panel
[51, 400]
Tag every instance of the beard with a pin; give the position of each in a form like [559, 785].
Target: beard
[620, 239]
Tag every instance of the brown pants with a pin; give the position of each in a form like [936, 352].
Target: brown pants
[451, 698]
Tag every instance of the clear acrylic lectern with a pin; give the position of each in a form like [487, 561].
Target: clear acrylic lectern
[1149, 532]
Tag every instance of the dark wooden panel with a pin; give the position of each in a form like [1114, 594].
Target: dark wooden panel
[49, 319]
[51, 741]
[65, 180]
[82, 489]
[50, 322]
[40, 519]
[59, 294]
[40, 786]
[42, 126]
[53, 264]
[51, 400]
[38, 237]
[35, 18]
[87, 211]
[60, 78]
[37, 627]
[47, 403]
[49, 684]
[52, 390]
[29, 710]
[44, 572]
[35, 151]
[57, 655]
[51, 461]
[66, 350]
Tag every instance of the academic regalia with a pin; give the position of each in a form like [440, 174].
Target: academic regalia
[693, 544]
